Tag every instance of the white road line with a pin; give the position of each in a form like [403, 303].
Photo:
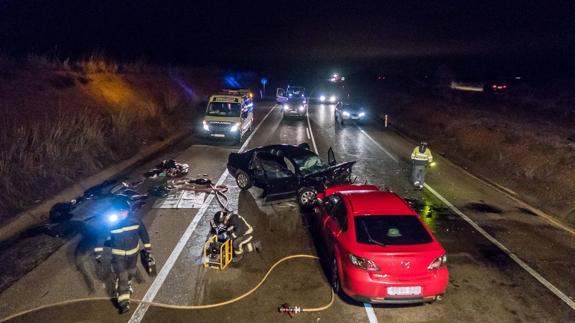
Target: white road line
[307, 131]
[311, 133]
[370, 313]
[502, 247]
[378, 145]
[368, 308]
[167, 268]
[506, 250]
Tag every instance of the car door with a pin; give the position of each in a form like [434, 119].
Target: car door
[281, 96]
[331, 157]
[257, 169]
[332, 224]
[281, 178]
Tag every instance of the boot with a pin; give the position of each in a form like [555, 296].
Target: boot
[123, 307]
[258, 246]
[237, 258]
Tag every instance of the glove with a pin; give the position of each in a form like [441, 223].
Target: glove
[98, 256]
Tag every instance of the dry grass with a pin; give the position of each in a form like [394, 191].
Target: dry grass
[531, 157]
[51, 138]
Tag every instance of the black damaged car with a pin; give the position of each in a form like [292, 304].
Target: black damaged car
[287, 170]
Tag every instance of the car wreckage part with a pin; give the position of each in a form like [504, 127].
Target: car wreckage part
[290, 310]
[243, 180]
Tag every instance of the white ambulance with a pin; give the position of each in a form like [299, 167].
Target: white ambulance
[229, 115]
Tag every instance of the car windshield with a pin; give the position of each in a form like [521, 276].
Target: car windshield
[351, 107]
[295, 91]
[390, 230]
[308, 164]
[224, 109]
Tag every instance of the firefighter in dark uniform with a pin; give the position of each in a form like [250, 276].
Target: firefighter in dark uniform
[125, 231]
[240, 231]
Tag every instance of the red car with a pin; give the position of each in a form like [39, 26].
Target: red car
[380, 250]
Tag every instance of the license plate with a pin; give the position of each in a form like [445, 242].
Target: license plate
[220, 135]
[354, 118]
[404, 291]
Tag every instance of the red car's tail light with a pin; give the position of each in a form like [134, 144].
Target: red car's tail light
[438, 263]
[362, 263]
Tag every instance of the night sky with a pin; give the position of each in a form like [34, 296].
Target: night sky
[275, 32]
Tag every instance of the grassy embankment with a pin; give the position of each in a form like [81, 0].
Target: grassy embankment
[64, 121]
[523, 142]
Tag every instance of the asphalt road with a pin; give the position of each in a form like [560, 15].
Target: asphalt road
[506, 264]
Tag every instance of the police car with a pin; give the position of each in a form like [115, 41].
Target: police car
[229, 115]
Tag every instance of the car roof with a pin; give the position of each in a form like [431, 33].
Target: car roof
[376, 203]
[226, 98]
[289, 151]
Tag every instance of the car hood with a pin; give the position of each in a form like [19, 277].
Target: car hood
[359, 109]
[330, 169]
[222, 119]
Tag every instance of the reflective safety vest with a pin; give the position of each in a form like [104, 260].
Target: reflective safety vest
[239, 226]
[419, 157]
[125, 237]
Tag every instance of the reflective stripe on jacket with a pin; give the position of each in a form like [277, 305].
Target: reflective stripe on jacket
[418, 156]
[125, 237]
[240, 226]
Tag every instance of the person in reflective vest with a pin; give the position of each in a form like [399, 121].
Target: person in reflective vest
[240, 231]
[420, 158]
[125, 231]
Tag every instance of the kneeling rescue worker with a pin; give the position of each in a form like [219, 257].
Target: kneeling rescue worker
[240, 231]
[420, 157]
[125, 231]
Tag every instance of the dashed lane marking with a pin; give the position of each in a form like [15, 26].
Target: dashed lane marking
[311, 134]
[370, 313]
[368, 308]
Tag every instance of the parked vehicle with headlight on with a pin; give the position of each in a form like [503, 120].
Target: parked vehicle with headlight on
[379, 249]
[326, 93]
[345, 111]
[228, 115]
[290, 93]
[294, 108]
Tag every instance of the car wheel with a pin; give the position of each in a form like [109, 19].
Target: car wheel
[335, 283]
[305, 197]
[243, 180]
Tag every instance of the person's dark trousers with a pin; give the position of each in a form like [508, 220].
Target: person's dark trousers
[125, 269]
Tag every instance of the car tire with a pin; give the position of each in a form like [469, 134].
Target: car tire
[334, 279]
[243, 180]
[305, 197]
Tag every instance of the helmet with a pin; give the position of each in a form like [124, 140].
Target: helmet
[221, 217]
[118, 209]
[422, 146]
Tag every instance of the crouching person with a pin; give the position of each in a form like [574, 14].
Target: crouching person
[240, 231]
[125, 231]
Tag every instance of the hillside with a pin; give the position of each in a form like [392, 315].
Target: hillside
[62, 121]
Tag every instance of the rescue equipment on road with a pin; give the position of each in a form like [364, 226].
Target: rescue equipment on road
[193, 307]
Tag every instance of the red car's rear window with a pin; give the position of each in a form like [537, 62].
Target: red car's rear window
[390, 230]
